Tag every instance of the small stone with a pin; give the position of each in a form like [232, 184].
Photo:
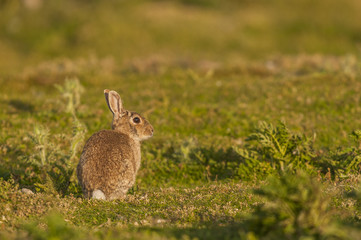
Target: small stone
[160, 221]
[26, 191]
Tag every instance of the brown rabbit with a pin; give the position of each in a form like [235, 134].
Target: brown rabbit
[111, 158]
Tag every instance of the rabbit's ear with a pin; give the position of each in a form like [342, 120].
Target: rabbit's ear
[114, 102]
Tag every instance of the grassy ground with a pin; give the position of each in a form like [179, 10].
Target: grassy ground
[255, 107]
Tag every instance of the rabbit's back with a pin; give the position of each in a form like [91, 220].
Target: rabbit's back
[108, 163]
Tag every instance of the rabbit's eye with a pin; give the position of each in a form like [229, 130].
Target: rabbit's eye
[136, 120]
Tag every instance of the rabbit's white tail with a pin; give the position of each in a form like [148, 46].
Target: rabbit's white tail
[98, 194]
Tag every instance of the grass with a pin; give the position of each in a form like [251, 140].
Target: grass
[255, 107]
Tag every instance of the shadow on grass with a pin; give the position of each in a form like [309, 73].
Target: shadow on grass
[219, 163]
[21, 106]
[188, 163]
[11, 163]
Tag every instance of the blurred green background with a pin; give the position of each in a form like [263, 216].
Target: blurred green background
[33, 31]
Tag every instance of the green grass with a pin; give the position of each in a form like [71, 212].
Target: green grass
[180, 30]
[255, 107]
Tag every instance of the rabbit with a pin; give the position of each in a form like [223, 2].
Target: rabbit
[110, 159]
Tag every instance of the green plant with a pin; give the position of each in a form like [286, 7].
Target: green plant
[55, 165]
[63, 174]
[43, 157]
[71, 92]
[42, 153]
[251, 166]
[275, 148]
[55, 228]
[344, 162]
[295, 208]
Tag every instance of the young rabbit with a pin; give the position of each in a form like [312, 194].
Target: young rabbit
[111, 158]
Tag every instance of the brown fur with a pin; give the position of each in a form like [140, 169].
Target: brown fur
[111, 158]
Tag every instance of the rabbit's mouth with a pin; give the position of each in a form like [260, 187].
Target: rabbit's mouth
[145, 138]
[148, 133]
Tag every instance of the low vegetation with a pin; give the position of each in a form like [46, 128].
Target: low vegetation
[257, 131]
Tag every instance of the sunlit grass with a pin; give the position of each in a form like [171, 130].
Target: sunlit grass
[237, 92]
